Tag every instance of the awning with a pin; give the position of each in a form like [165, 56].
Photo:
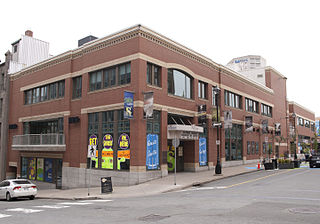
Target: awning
[187, 132]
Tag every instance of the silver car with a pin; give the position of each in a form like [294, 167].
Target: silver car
[17, 188]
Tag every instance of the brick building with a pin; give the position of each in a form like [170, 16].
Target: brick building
[61, 103]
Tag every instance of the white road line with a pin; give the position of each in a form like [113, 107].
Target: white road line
[52, 206]
[4, 216]
[96, 200]
[75, 203]
[24, 210]
[204, 188]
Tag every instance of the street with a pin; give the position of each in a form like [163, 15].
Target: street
[282, 196]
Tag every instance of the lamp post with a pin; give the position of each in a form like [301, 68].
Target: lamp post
[216, 91]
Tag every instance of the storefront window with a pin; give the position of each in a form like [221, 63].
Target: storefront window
[233, 138]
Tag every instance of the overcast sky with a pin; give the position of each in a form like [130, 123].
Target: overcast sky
[286, 33]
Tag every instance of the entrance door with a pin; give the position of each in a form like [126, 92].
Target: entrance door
[171, 160]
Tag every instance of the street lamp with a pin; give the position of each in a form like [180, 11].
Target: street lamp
[216, 91]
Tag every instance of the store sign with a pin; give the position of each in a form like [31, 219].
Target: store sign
[124, 141]
[152, 160]
[249, 123]
[227, 119]
[128, 105]
[202, 151]
[186, 135]
[107, 141]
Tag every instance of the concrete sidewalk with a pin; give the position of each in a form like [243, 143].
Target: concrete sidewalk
[166, 184]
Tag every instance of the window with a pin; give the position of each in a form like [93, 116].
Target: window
[44, 93]
[180, 84]
[76, 87]
[232, 99]
[312, 126]
[252, 106]
[109, 77]
[15, 48]
[249, 148]
[202, 90]
[233, 142]
[153, 74]
[266, 110]
[307, 123]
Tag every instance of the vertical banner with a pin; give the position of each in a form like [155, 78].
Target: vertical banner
[128, 105]
[202, 113]
[32, 168]
[215, 115]
[248, 124]
[148, 104]
[170, 158]
[40, 166]
[152, 154]
[203, 151]
[227, 119]
[264, 126]
[48, 170]
[277, 127]
[92, 150]
[318, 127]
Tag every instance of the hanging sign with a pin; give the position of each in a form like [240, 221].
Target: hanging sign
[202, 151]
[128, 105]
[148, 104]
[152, 155]
[202, 112]
[264, 126]
[277, 127]
[124, 141]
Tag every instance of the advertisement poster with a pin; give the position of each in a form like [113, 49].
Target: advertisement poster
[215, 115]
[202, 151]
[152, 160]
[148, 104]
[249, 123]
[123, 159]
[40, 166]
[277, 127]
[48, 170]
[170, 158]
[107, 152]
[128, 105]
[124, 141]
[227, 119]
[32, 168]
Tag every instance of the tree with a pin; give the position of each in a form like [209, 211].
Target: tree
[315, 143]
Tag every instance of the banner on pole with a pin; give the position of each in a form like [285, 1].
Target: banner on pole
[248, 123]
[148, 104]
[227, 119]
[128, 105]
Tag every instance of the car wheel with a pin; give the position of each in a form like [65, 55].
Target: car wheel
[31, 197]
[8, 196]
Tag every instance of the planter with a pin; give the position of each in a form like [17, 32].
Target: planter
[296, 164]
[286, 165]
[269, 166]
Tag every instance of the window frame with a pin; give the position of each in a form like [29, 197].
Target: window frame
[153, 76]
[171, 74]
[77, 87]
[202, 90]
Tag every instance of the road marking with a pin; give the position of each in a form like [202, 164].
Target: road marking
[24, 210]
[203, 188]
[52, 206]
[75, 203]
[260, 178]
[96, 200]
[4, 216]
[292, 198]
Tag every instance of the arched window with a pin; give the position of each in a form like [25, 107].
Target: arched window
[180, 84]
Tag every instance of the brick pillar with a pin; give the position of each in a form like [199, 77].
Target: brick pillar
[164, 143]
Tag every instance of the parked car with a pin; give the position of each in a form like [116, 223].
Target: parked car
[314, 161]
[17, 188]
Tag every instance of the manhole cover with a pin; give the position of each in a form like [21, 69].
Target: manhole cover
[152, 218]
[304, 210]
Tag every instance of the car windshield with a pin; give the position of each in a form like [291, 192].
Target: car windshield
[21, 182]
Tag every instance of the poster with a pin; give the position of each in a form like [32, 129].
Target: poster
[248, 124]
[123, 162]
[124, 141]
[48, 170]
[264, 126]
[152, 154]
[40, 166]
[128, 105]
[170, 158]
[107, 152]
[277, 127]
[202, 151]
[32, 169]
[148, 104]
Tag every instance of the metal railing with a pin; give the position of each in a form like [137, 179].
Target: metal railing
[38, 139]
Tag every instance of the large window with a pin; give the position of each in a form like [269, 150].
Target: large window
[76, 87]
[232, 99]
[153, 74]
[109, 77]
[180, 84]
[44, 93]
[233, 142]
[266, 110]
[252, 106]
[202, 90]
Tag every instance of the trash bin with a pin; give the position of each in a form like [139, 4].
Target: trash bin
[106, 185]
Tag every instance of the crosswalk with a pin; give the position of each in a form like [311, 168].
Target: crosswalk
[40, 208]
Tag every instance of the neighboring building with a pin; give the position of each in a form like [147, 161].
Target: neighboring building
[27, 51]
[251, 66]
[302, 127]
[4, 102]
[63, 101]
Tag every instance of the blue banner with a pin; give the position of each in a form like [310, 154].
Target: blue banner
[317, 128]
[152, 155]
[128, 105]
[203, 151]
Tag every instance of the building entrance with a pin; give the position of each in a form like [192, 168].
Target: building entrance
[180, 157]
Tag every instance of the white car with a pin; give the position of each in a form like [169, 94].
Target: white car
[17, 188]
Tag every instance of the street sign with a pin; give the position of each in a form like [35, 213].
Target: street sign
[218, 142]
[175, 142]
[92, 150]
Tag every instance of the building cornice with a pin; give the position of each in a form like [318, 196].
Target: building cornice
[301, 107]
[275, 71]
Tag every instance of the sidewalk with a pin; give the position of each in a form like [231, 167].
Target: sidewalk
[166, 184]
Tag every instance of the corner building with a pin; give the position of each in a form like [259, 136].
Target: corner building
[59, 103]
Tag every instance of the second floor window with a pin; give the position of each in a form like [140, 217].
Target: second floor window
[266, 110]
[202, 90]
[232, 99]
[153, 74]
[180, 84]
[76, 87]
[252, 106]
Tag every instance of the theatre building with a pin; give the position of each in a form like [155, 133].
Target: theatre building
[96, 97]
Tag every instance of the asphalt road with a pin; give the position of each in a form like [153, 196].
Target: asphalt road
[284, 196]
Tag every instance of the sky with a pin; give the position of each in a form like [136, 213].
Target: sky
[285, 32]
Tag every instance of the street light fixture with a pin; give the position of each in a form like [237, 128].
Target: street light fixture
[216, 91]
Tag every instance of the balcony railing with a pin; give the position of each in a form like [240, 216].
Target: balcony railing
[38, 139]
